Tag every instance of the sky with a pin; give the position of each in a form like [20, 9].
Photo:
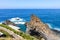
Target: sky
[29, 4]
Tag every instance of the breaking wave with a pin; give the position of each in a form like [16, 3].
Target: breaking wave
[51, 26]
[18, 20]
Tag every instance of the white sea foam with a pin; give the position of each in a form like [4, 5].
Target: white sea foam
[49, 25]
[57, 29]
[14, 27]
[52, 27]
[17, 20]
[1, 22]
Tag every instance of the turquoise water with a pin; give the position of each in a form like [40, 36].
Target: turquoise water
[22, 27]
[51, 16]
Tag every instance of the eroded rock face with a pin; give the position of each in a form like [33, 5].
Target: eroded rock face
[44, 30]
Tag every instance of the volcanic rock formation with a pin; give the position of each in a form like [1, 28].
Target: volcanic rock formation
[41, 28]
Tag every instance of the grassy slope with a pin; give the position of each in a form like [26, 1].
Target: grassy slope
[24, 35]
[6, 33]
[8, 37]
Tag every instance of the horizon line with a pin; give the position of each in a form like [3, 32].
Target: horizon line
[29, 8]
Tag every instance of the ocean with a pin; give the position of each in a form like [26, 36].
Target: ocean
[48, 16]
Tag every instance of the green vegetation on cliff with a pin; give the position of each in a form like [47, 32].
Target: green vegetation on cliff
[8, 36]
[5, 33]
[24, 35]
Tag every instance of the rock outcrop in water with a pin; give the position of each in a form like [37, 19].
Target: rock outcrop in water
[8, 22]
[41, 29]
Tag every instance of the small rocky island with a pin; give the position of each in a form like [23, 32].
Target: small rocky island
[41, 30]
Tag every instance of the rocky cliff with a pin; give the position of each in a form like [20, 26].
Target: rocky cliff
[41, 28]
